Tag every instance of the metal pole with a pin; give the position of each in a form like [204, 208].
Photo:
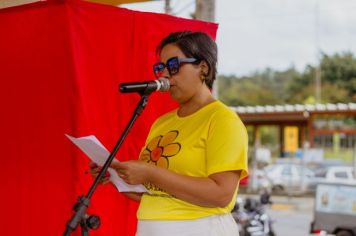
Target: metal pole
[318, 66]
[354, 159]
[252, 185]
[167, 7]
[205, 10]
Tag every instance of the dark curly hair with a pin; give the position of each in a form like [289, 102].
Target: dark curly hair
[198, 45]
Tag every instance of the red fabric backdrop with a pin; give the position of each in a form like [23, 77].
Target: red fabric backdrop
[60, 66]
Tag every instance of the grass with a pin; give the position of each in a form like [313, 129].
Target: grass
[345, 155]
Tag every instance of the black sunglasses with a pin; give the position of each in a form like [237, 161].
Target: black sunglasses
[172, 65]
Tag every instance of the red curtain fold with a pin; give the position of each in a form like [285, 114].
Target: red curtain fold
[60, 66]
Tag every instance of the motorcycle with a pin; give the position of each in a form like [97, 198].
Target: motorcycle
[251, 217]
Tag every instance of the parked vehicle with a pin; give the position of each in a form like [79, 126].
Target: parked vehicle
[251, 217]
[289, 177]
[335, 210]
[257, 181]
[333, 174]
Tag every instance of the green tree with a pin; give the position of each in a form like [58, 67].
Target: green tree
[338, 81]
[339, 71]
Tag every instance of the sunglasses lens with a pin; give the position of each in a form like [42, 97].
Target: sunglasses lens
[158, 69]
[173, 65]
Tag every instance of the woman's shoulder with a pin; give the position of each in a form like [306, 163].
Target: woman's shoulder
[226, 116]
[222, 111]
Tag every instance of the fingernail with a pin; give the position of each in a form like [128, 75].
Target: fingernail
[107, 174]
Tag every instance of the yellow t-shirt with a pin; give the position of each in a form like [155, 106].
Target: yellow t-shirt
[211, 140]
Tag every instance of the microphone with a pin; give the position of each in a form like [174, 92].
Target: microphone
[161, 84]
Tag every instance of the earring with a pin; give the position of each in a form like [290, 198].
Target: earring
[202, 77]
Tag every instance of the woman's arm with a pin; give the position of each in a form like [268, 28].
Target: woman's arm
[214, 191]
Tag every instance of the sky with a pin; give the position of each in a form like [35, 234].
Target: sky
[257, 34]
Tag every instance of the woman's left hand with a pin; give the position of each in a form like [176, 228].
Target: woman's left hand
[134, 171]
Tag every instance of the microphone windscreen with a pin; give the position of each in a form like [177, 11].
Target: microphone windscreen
[164, 84]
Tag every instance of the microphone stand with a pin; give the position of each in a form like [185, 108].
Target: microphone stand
[79, 208]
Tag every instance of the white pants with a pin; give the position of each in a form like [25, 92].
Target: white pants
[217, 225]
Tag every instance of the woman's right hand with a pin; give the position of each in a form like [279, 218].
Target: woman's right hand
[94, 170]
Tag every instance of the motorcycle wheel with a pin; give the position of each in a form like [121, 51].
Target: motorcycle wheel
[271, 233]
[344, 233]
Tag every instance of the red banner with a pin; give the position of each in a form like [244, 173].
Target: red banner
[60, 66]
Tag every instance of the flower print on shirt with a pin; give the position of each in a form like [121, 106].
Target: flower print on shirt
[160, 148]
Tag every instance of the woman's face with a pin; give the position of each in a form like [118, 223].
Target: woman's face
[186, 83]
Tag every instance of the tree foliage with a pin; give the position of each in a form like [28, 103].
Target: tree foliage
[338, 84]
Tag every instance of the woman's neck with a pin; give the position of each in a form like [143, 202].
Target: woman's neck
[195, 103]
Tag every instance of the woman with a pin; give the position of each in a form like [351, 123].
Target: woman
[195, 155]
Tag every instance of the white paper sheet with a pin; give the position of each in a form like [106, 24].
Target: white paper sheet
[92, 147]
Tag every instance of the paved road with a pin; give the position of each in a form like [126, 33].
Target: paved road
[292, 215]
